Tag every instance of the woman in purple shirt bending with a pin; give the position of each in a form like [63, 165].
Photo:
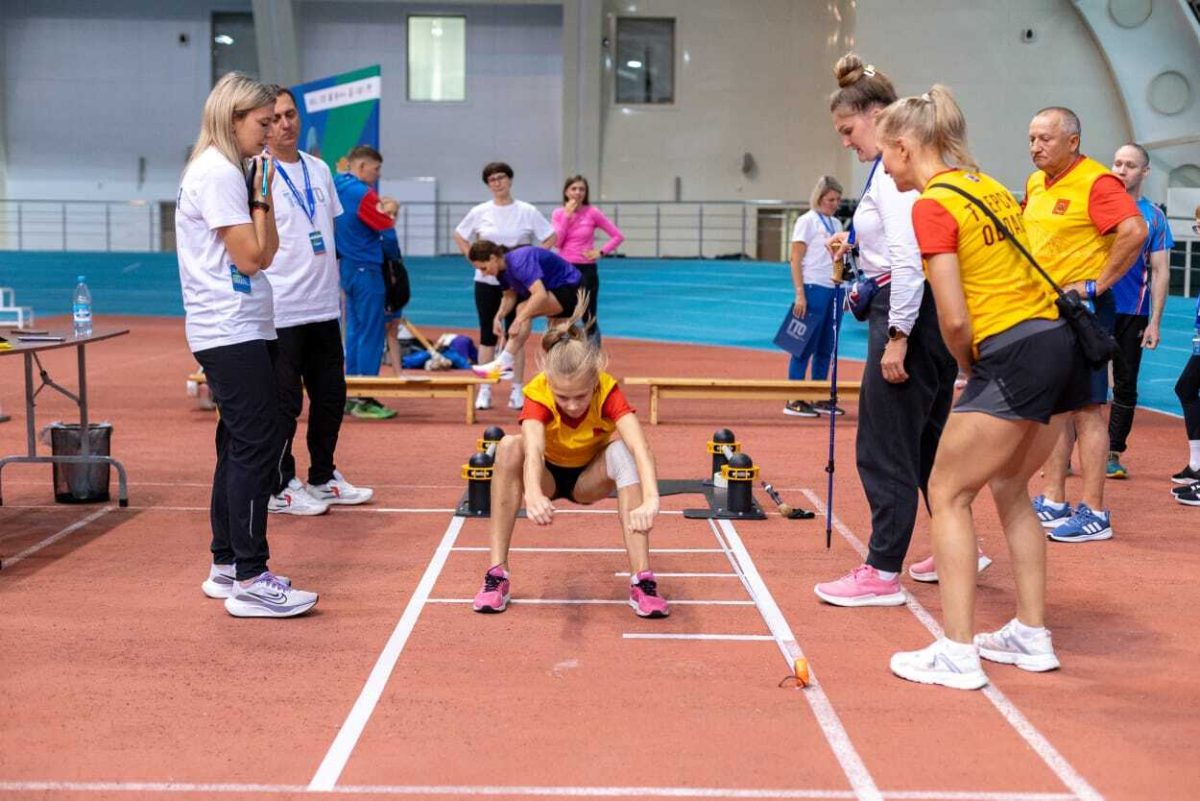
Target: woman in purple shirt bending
[575, 225]
[534, 280]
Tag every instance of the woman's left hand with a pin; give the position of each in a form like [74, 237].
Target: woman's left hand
[592, 255]
[892, 364]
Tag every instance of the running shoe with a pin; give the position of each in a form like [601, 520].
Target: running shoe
[862, 586]
[644, 597]
[1049, 514]
[1084, 526]
[339, 491]
[483, 397]
[926, 570]
[936, 664]
[1027, 648]
[494, 594]
[1191, 498]
[827, 407]
[268, 597]
[219, 583]
[1114, 468]
[1184, 489]
[799, 408]
[295, 500]
[496, 368]
[1186, 476]
[516, 399]
[371, 409]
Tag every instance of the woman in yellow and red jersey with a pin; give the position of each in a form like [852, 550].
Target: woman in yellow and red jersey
[998, 318]
[566, 449]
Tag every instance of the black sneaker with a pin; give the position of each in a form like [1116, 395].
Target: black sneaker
[1186, 476]
[799, 408]
[1189, 498]
[827, 407]
[1184, 489]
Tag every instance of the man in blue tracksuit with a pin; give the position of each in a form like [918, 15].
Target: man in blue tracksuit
[365, 236]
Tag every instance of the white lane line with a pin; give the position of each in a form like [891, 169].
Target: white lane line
[1066, 773]
[535, 549]
[578, 601]
[717, 637]
[347, 737]
[835, 733]
[26, 787]
[55, 537]
[684, 575]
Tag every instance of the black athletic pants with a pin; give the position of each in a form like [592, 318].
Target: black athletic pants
[1187, 389]
[1125, 367]
[899, 426]
[241, 378]
[591, 285]
[310, 360]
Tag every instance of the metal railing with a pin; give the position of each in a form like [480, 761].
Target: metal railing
[74, 225]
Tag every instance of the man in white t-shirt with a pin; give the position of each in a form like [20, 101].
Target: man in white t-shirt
[304, 281]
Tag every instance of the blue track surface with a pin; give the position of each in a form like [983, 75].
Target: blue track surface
[704, 302]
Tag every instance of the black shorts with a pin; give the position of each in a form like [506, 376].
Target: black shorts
[487, 303]
[1031, 371]
[567, 297]
[565, 479]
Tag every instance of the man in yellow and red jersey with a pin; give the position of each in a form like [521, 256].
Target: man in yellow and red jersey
[1085, 231]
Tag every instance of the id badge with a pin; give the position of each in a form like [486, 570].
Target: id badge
[318, 242]
[241, 283]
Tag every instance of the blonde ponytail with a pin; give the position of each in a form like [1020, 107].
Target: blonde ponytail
[568, 352]
[933, 120]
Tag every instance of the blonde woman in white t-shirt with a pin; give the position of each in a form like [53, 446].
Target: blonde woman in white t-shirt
[812, 276]
[225, 237]
[511, 223]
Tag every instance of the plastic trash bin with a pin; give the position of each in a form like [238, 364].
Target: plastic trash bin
[80, 483]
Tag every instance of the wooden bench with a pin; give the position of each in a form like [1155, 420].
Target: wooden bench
[459, 385]
[739, 389]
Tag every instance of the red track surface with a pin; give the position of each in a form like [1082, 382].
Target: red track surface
[120, 680]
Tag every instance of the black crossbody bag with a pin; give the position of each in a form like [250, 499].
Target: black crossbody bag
[1098, 345]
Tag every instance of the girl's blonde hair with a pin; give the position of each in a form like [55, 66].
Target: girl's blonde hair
[234, 96]
[825, 185]
[568, 352]
[933, 120]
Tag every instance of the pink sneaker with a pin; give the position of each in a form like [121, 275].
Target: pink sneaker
[644, 597]
[494, 594]
[926, 570]
[862, 586]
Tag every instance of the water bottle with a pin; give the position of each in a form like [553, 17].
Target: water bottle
[81, 307]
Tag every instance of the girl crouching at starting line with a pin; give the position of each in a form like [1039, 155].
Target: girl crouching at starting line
[566, 450]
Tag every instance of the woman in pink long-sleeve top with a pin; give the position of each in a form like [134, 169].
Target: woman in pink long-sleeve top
[575, 225]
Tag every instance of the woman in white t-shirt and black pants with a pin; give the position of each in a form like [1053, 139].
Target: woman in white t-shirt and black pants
[812, 275]
[225, 237]
[510, 223]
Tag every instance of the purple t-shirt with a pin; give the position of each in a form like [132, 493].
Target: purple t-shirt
[526, 265]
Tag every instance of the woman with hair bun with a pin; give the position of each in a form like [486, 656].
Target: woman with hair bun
[908, 378]
[999, 320]
[566, 449]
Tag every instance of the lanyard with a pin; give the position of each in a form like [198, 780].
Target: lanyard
[853, 238]
[829, 229]
[310, 208]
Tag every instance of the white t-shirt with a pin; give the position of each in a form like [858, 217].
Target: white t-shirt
[813, 229]
[213, 195]
[887, 243]
[518, 223]
[305, 284]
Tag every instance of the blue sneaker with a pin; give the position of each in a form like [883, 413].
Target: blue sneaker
[1084, 526]
[1050, 516]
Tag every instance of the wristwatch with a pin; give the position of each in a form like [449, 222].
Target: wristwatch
[895, 334]
[258, 204]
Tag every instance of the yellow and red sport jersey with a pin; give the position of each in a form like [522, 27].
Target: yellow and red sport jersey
[575, 442]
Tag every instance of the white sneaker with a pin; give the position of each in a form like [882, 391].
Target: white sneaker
[516, 399]
[483, 397]
[936, 665]
[1030, 649]
[268, 597]
[926, 569]
[339, 491]
[219, 583]
[295, 500]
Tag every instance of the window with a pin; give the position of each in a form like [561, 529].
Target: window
[233, 46]
[437, 58]
[645, 60]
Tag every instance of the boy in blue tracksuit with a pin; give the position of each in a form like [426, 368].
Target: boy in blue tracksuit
[365, 236]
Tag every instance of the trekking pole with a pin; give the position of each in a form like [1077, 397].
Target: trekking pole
[831, 465]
